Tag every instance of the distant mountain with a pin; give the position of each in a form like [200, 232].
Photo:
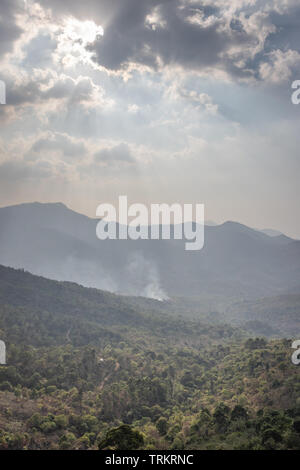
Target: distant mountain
[210, 223]
[236, 261]
[271, 232]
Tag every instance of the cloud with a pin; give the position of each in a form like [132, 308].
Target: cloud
[153, 33]
[55, 143]
[45, 92]
[38, 51]
[10, 31]
[216, 37]
[212, 37]
[202, 36]
[280, 66]
[120, 154]
[47, 86]
[77, 91]
[199, 100]
[13, 171]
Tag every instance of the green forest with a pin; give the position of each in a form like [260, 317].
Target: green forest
[87, 369]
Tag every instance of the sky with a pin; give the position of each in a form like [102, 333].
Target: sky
[165, 101]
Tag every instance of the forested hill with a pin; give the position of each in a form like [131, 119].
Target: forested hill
[87, 369]
[37, 311]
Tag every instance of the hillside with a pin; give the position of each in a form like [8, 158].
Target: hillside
[37, 311]
[275, 317]
[271, 316]
[87, 367]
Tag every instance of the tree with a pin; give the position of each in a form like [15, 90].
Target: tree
[122, 438]
[162, 426]
[239, 412]
[221, 417]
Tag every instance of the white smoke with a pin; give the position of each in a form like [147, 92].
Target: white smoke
[144, 278]
[80, 271]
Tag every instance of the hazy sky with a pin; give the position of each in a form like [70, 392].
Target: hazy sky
[162, 100]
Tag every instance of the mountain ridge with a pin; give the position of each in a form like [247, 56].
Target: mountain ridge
[236, 261]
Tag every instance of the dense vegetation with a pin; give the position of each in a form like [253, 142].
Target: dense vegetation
[86, 370]
[273, 316]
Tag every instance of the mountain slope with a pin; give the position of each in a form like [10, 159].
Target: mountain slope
[80, 361]
[38, 311]
[278, 315]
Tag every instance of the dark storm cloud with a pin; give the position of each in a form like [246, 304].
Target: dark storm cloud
[287, 30]
[101, 11]
[129, 39]
[174, 39]
[9, 30]
[196, 34]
